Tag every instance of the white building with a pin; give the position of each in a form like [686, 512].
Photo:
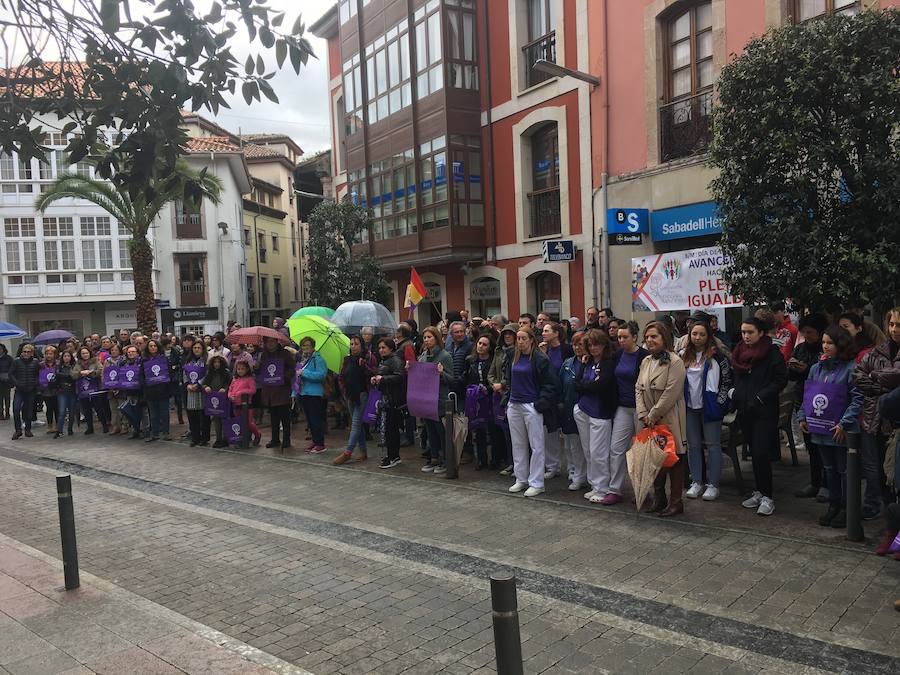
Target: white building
[69, 267]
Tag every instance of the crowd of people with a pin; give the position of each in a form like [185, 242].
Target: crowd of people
[562, 397]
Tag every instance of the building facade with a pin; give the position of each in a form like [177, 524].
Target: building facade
[495, 177]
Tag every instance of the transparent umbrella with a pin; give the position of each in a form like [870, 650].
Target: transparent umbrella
[352, 317]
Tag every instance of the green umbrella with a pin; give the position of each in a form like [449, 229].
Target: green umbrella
[313, 311]
[331, 343]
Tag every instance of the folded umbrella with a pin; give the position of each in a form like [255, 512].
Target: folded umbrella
[644, 459]
[331, 343]
[255, 335]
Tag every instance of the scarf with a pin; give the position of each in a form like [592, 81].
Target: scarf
[745, 356]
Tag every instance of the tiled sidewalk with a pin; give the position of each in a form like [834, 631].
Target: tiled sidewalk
[100, 628]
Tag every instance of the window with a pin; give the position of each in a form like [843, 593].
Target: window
[248, 239]
[357, 194]
[353, 95]
[264, 291]
[188, 220]
[347, 10]
[58, 227]
[433, 182]
[276, 288]
[388, 84]
[18, 227]
[191, 280]
[67, 249]
[462, 50]
[804, 10]
[12, 170]
[467, 205]
[88, 255]
[106, 256]
[261, 246]
[296, 294]
[684, 119]
[124, 254]
[13, 259]
[429, 68]
[275, 242]
[95, 226]
[393, 196]
[541, 39]
[51, 255]
[544, 196]
[251, 295]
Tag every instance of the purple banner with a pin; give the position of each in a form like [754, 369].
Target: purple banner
[271, 373]
[45, 378]
[499, 410]
[156, 370]
[824, 404]
[112, 377]
[215, 404]
[370, 413]
[422, 389]
[194, 372]
[233, 427]
[86, 387]
[129, 376]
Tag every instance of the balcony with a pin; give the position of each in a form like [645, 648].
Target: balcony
[684, 127]
[188, 225]
[545, 212]
[193, 294]
[542, 48]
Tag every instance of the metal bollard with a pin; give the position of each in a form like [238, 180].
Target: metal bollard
[505, 613]
[449, 451]
[245, 421]
[67, 531]
[854, 488]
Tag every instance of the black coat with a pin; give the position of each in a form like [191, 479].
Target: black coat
[23, 375]
[756, 392]
[393, 380]
[477, 370]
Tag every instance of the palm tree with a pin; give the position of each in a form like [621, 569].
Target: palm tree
[136, 212]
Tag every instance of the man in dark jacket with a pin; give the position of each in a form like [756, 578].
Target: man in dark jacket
[407, 351]
[23, 375]
[459, 347]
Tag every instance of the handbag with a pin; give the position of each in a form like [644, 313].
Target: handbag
[370, 413]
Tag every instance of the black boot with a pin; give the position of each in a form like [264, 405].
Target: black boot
[840, 520]
[827, 519]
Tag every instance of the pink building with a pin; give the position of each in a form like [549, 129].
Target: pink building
[475, 161]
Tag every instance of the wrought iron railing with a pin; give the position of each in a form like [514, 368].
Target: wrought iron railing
[542, 48]
[684, 126]
[545, 212]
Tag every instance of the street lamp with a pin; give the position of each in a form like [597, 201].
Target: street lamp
[551, 68]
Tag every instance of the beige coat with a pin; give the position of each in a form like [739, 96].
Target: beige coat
[659, 393]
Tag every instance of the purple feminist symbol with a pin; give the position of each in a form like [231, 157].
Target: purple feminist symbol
[193, 376]
[271, 370]
[129, 375]
[155, 370]
[113, 374]
[236, 429]
[215, 403]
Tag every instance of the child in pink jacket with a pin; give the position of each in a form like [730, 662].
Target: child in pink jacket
[243, 383]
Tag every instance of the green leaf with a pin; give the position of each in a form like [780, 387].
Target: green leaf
[250, 90]
[297, 28]
[109, 15]
[266, 37]
[249, 65]
[280, 52]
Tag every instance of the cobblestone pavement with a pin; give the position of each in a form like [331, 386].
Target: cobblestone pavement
[338, 570]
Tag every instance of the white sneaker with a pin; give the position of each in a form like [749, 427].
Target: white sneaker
[550, 474]
[534, 492]
[694, 491]
[588, 495]
[766, 507]
[518, 487]
[596, 498]
[575, 487]
[753, 501]
[429, 468]
[710, 493]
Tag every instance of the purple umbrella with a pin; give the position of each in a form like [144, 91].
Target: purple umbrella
[52, 337]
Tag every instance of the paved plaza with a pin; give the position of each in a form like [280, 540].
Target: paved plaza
[195, 560]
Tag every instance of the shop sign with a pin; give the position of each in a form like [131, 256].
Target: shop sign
[551, 307]
[622, 239]
[485, 290]
[691, 220]
[627, 221]
[560, 250]
[686, 280]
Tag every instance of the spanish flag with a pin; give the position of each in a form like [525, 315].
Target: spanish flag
[415, 291]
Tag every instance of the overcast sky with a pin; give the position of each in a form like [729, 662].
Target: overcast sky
[303, 110]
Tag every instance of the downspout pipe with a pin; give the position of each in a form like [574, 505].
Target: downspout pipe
[490, 127]
[604, 176]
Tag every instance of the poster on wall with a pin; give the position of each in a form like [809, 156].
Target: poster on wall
[688, 280]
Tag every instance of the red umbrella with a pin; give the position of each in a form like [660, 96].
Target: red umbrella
[254, 335]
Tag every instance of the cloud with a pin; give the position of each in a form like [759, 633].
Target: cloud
[303, 109]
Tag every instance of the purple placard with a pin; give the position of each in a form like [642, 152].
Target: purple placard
[156, 370]
[271, 373]
[233, 427]
[422, 389]
[215, 404]
[824, 404]
[370, 414]
[194, 372]
[45, 378]
[112, 377]
[129, 377]
[87, 387]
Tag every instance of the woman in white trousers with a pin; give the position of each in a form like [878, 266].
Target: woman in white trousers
[557, 351]
[531, 389]
[594, 412]
[628, 365]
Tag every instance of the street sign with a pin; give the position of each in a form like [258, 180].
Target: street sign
[627, 221]
[626, 239]
[560, 250]
[163, 304]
